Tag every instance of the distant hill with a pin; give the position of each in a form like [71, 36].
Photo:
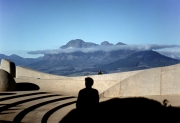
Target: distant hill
[20, 61]
[140, 60]
[80, 63]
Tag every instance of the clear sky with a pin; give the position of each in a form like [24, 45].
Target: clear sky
[30, 25]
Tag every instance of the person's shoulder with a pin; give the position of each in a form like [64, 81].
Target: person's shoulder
[94, 90]
[82, 90]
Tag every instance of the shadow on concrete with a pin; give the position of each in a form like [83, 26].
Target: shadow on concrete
[21, 115]
[6, 107]
[7, 113]
[22, 95]
[49, 113]
[5, 94]
[126, 110]
[25, 86]
[3, 121]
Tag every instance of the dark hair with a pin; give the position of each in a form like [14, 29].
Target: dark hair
[89, 81]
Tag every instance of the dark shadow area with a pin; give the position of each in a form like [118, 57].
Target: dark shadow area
[5, 94]
[129, 110]
[11, 109]
[21, 115]
[7, 113]
[21, 95]
[25, 86]
[3, 121]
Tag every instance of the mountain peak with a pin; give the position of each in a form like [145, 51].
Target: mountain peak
[106, 43]
[78, 43]
[120, 43]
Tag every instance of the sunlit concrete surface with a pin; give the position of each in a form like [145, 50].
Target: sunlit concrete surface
[155, 81]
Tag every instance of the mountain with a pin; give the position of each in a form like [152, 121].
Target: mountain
[140, 60]
[20, 61]
[106, 43]
[61, 63]
[120, 43]
[80, 63]
[78, 43]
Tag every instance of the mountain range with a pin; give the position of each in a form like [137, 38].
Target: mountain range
[88, 63]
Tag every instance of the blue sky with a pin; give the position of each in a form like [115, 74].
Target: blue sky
[31, 25]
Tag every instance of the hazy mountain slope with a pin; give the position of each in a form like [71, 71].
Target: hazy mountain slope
[140, 60]
[19, 60]
[78, 59]
[80, 63]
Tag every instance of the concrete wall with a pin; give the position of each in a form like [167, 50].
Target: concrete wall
[156, 81]
[110, 77]
[170, 80]
[22, 72]
[66, 87]
[144, 83]
[8, 66]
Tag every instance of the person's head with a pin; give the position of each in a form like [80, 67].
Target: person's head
[89, 82]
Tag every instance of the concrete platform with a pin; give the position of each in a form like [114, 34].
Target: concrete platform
[50, 107]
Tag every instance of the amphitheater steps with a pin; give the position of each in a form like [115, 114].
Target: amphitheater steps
[35, 107]
[29, 107]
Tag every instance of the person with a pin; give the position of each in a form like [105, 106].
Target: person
[99, 72]
[88, 101]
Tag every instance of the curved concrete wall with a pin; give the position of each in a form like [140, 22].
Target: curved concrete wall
[170, 80]
[8, 66]
[22, 72]
[110, 77]
[156, 81]
[66, 87]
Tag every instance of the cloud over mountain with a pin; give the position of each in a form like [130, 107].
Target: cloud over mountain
[171, 54]
[106, 48]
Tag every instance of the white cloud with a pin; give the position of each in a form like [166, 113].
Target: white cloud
[172, 51]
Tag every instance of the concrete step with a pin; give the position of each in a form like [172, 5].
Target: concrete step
[12, 105]
[15, 106]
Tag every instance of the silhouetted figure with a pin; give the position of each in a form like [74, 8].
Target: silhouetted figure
[99, 72]
[88, 101]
